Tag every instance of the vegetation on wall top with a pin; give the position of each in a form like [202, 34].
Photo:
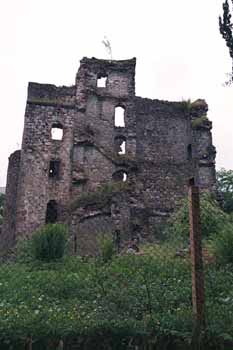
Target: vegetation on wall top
[101, 197]
[50, 102]
[200, 121]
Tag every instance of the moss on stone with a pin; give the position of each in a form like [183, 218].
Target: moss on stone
[199, 121]
[49, 102]
[101, 197]
[124, 160]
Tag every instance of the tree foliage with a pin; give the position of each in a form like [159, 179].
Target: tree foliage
[212, 219]
[225, 189]
[226, 27]
[223, 245]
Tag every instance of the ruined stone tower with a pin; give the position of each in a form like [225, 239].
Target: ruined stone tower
[103, 160]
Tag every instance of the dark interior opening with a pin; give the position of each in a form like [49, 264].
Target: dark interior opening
[51, 212]
[190, 153]
[75, 244]
[120, 176]
[54, 166]
[192, 182]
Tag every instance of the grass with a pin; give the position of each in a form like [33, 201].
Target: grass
[130, 294]
[185, 105]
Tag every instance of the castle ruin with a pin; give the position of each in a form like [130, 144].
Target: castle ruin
[103, 160]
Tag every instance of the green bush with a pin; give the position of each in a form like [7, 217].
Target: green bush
[223, 245]
[225, 189]
[212, 219]
[24, 251]
[107, 249]
[49, 242]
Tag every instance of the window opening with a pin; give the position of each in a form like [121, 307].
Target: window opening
[54, 166]
[57, 132]
[119, 117]
[189, 149]
[51, 212]
[102, 82]
[124, 177]
[120, 145]
[120, 176]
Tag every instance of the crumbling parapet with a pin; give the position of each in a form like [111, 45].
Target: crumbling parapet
[204, 151]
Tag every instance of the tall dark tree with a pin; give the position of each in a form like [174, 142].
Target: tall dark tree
[226, 28]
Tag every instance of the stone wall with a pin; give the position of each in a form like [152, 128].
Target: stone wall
[36, 187]
[88, 231]
[51, 94]
[8, 234]
[166, 144]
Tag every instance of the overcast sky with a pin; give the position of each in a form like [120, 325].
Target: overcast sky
[180, 55]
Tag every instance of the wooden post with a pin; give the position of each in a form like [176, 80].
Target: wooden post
[28, 344]
[197, 263]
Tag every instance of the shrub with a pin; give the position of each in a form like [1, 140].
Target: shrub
[223, 245]
[24, 250]
[185, 105]
[107, 249]
[49, 242]
[212, 219]
[225, 189]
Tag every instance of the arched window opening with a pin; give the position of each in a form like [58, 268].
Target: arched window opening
[119, 120]
[120, 145]
[54, 166]
[102, 81]
[51, 212]
[120, 176]
[190, 153]
[57, 132]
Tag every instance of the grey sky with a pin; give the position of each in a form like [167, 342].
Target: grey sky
[179, 51]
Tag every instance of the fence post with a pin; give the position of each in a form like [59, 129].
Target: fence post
[28, 344]
[197, 264]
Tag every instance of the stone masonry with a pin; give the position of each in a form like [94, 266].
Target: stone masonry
[119, 175]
